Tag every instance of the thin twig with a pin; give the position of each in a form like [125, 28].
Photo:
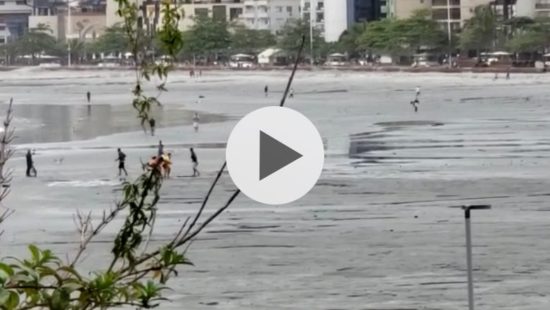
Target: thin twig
[293, 71]
[206, 198]
[188, 236]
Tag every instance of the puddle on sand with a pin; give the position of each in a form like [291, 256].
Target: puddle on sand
[61, 123]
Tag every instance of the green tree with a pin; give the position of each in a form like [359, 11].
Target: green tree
[420, 31]
[349, 40]
[403, 37]
[113, 40]
[37, 41]
[479, 32]
[533, 36]
[250, 40]
[292, 33]
[207, 37]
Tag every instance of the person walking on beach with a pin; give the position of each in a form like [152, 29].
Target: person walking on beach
[196, 120]
[195, 161]
[291, 95]
[266, 90]
[415, 104]
[89, 98]
[508, 74]
[121, 162]
[31, 171]
[152, 124]
[417, 92]
[160, 149]
[496, 77]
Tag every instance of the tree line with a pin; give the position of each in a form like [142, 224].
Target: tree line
[209, 39]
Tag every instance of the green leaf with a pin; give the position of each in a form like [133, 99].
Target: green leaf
[35, 253]
[13, 301]
[60, 300]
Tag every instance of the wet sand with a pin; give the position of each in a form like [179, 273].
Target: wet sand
[375, 233]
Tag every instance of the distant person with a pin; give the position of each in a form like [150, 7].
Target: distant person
[31, 171]
[89, 98]
[152, 124]
[291, 95]
[191, 73]
[496, 77]
[195, 161]
[415, 104]
[266, 90]
[196, 120]
[160, 149]
[508, 74]
[417, 91]
[200, 72]
[199, 100]
[121, 162]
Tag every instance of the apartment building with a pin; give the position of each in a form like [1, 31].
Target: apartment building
[533, 8]
[314, 11]
[449, 12]
[87, 21]
[339, 15]
[227, 10]
[14, 17]
[269, 15]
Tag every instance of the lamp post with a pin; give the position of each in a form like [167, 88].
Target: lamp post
[312, 14]
[449, 33]
[467, 210]
[67, 33]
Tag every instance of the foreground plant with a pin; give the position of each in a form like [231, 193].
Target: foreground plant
[135, 275]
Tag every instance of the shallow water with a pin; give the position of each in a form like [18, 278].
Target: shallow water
[40, 123]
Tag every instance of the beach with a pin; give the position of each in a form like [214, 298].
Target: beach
[376, 232]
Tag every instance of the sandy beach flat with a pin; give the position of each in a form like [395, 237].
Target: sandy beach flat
[375, 233]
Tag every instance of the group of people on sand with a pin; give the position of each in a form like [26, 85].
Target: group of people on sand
[162, 162]
[192, 73]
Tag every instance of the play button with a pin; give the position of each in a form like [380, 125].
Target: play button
[275, 155]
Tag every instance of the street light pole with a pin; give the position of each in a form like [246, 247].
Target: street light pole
[68, 33]
[312, 13]
[450, 58]
[467, 210]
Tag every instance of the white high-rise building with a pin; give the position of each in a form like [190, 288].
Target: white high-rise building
[314, 12]
[269, 15]
[338, 17]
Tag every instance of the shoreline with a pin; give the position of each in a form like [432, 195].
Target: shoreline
[382, 69]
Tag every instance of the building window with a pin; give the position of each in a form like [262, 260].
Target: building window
[21, 2]
[444, 2]
[235, 13]
[320, 5]
[201, 12]
[2, 40]
[279, 9]
[320, 17]
[441, 14]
